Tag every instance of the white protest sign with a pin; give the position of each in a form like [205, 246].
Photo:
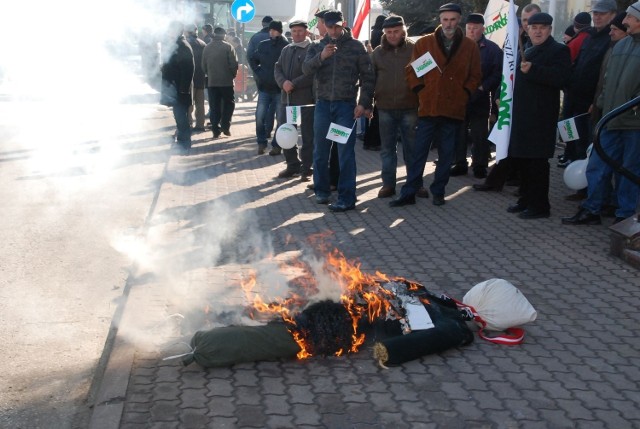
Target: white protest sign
[424, 64]
[293, 115]
[568, 130]
[338, 133]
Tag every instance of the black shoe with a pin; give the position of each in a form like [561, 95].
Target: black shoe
[338, 207]
[458, 170]
[226, 133]
[322, 200]
[583, 217]
[564, 163]
[516, 208]
[618, 219]
[275, 151]
[534, 214]
[479, 172]
[403, 201]
[513, 182]
[483, 187]
[422, 193]
[262, 150]
[438, 200]
[287, 173]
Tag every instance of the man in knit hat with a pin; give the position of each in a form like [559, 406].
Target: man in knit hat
[620, 139]
[263, 63]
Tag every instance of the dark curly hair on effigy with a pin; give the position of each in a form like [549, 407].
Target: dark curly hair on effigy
[326, 327]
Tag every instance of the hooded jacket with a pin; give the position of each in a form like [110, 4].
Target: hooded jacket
[445, 90]
[339, 76]
[392, 91]
[264, 61]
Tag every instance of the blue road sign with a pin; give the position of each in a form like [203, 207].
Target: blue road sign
[243, 10]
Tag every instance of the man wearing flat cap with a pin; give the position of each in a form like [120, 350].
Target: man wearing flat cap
[443, 92]
[540, 76]
[296, 90]
[584, 79]
[620, 139]
[342, 71]
[397, 104]
[263, 64]
[480, 102]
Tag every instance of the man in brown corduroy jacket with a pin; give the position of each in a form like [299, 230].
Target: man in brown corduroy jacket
[443, 93]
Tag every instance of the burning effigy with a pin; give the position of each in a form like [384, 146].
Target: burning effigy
[401, 320]
[397, 319]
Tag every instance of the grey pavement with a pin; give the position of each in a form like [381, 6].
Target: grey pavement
[222, 213]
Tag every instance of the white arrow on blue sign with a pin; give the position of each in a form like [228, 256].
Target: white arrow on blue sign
[243, 10]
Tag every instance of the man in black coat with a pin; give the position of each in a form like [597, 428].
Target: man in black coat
[538, 81]
[177, 77]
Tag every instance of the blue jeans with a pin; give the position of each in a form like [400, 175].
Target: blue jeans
[268, 105]
[392, 122]
[183, 124]
[623, 146]
[341, 113]
[428, 129]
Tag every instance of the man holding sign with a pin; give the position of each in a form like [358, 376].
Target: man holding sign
[444, 71]
[297, 97]
[341, 66]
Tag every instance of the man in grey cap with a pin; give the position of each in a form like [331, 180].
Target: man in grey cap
[621, 137]
[443, 92]
[296, 90]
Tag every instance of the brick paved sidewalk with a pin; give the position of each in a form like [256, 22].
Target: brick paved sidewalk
[221, 210]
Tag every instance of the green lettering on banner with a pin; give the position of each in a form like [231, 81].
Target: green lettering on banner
[294, 114]
[338, 132]
[425, 65]
[567, 126]
[500, 23]
[504, 115]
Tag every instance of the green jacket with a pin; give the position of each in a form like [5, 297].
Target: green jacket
[392, 90]
[621, 83]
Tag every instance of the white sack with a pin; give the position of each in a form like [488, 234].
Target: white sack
[500, 304]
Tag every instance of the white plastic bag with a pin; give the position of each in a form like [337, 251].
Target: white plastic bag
[500, 304]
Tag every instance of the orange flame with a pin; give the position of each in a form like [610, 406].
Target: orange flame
[362, 295]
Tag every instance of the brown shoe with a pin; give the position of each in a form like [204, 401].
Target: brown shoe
[422, 193]
[386, 192]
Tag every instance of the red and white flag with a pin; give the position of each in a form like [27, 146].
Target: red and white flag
[362, 13]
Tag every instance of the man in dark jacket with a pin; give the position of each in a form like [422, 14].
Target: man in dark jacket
[297, 90]
[341, 63]
[581, 87]
[479, 106]
[263, 63]
[177, 77]
[199, 84]
[538, 81]
[260, 36]
[397, 104]
[220, 64]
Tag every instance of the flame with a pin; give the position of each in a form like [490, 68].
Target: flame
[363, 295]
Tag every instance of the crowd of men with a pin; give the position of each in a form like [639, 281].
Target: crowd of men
[440, 91]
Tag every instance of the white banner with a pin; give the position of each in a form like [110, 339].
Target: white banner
[568, 130]
[315, 7]
[501, 132]
[495, 21]
[424, 64]
[338, 133]
[293, 115]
